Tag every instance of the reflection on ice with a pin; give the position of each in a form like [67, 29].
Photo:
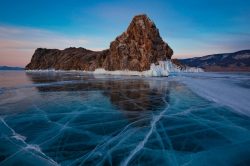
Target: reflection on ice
[127, 93]
[75, 119]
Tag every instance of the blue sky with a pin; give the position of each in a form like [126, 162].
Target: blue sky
[191, 28]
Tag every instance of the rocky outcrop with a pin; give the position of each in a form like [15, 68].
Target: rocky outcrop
[138, 47]
[238, 61]
[135, 49]
[67, 59]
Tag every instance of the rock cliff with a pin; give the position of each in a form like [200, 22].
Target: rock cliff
[135, 49]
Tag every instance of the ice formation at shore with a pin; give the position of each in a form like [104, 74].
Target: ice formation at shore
[163, 69]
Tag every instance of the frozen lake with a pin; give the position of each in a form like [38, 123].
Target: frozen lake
[66, 118]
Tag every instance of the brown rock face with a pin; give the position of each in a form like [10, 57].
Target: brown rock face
[68, 59]
[138, 47]
[135, 50]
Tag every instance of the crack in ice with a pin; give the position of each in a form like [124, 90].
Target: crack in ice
[144, 141]
[36, 148]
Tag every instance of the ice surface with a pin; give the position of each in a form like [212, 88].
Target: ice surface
[70, 118]
[221, 89]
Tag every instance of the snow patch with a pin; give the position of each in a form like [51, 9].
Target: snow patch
[242, 56]
[224, 56]
[207, 57]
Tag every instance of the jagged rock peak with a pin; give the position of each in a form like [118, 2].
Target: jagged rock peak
[138, 47]
[141, 22]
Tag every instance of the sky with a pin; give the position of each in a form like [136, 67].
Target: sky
[191, 27]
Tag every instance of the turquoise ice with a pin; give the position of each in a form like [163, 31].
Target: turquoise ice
[70, 118]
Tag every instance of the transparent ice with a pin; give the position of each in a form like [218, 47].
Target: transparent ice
[70, 118]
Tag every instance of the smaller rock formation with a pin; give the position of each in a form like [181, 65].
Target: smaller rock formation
[67, 59]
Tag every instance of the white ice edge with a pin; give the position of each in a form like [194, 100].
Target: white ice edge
[164, 68]
[221, 91]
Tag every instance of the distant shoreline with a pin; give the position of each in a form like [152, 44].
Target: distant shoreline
[4, 68]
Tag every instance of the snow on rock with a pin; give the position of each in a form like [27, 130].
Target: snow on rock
[242, 56]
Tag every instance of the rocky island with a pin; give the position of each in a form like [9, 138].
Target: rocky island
[139, 50]
[136, 49]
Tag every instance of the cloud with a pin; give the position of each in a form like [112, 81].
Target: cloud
[17, 44]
